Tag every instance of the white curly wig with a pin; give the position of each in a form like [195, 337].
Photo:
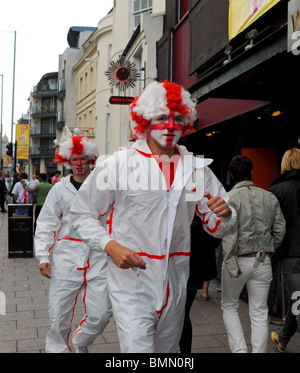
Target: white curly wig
[76, 145]
[157, 97]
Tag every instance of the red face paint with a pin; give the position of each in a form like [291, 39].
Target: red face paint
[167, 128]
[79, 164]
[76, 161]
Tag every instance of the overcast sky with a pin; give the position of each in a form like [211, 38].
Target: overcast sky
[41, 36]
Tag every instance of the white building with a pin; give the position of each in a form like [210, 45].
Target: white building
[131, 30]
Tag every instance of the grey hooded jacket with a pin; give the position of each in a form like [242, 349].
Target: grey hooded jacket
[260, 225]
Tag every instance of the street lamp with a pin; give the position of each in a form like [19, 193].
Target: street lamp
[13, 87]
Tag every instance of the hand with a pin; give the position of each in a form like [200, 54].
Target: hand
[218, 206]
[123, 257]
[45, 269]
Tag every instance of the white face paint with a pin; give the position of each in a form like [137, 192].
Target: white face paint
[166, 128]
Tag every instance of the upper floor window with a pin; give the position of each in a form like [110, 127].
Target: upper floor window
[139, 7]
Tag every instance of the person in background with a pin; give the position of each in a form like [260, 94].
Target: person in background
[259, 232]
[2, 192]
[203, 268]
[148, 193]
[41, 189]
[8, 182]
[56, 177]
[32, 183]
[286, 188]
[67, 260]
[20, 195]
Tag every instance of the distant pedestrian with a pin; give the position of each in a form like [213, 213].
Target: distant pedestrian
[56, 177]
[32, 183]
[2, 193]
[259, 231]
[41, 189]
[8, 182]
[20, 195]
[287, 189]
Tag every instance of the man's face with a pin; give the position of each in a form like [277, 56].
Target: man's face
[79, 164]
[166, 128]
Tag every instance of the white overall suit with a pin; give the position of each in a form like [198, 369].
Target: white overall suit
[73, 269]
[148, 305]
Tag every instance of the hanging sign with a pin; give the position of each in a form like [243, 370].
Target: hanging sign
[242, 13]
[121, 100]
[22, 138]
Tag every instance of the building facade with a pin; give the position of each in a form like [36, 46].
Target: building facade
[42, 119]
[130, 32]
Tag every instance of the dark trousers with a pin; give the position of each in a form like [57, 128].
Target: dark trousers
[36, 215]
[185, 342]
[2, 200]
[291, 273]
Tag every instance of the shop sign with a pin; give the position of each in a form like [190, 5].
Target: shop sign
[242, 13]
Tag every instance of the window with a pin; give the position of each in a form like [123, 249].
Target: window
[80, 91]
[108, 133]
[139, 7]
[92, 79]
[86, 87]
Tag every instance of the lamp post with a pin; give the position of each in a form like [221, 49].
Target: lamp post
[13, 86]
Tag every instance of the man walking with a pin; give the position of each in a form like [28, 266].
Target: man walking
[67, 260]
[150, 196]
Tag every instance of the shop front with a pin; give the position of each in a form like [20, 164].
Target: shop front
[246, 83]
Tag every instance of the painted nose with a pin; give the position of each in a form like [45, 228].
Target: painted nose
[171, 124]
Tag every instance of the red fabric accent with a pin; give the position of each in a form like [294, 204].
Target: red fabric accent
[73, 311]
[109, 222]
[167, 300]
[49, 251]
[70, 239]
[205, 222]
[213, 230]
[147, 155]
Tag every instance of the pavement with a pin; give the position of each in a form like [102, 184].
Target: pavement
[24, 326]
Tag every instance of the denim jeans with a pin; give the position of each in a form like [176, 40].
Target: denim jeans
[291, 273]
[258, 281]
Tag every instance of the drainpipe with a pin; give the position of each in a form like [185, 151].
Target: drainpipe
[171, 54]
